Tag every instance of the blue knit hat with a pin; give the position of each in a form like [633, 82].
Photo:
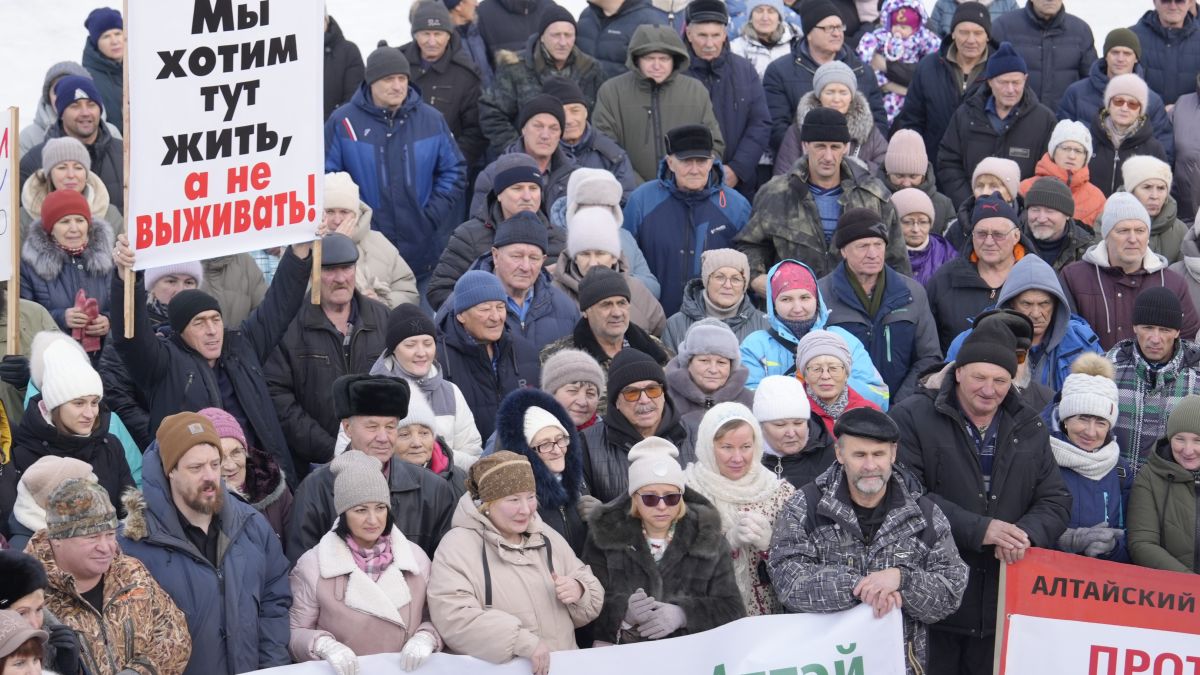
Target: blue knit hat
[73, 88]
[1005, 60]
[100, 21]
[476, 287]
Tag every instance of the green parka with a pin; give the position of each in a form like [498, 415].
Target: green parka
[1162, 514]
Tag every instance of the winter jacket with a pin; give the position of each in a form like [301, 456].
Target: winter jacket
[1066, 338]
[943, 13]
[175, 377]
[814, 565]
[1167, 232]
[637, 113]
[644, 308]
[748, 45]
[957, 293]
[740, 105]
[926, 262]
[480, 55]
[550, 314]
[1104, 295]
[506, 609]
[36, 189]
[606, 447]
[1083, 100]
[236, 610]
[785, 222]
[1089, 200]
[300, 373]
[943, 209]
[971, 137]
[109, 77]
[1095, 502]
[790, 77]
[507, 24]
[693, 308]
[1188, 267]
[582, 338]
[452, 85]
[901, 54]
[51, 277]
[595, 150]
[333, 597]
[803, 467]
[691, 402]
[674, 227]
[107, 153]
[607, 38]
[901, 338]
[237, 284]
[380, 269]
[138, 630]
[519, 77]
[455, 421]
[410, 170]
[867, 145]
[773, 351]
[33, 319]
[1106, 162]
[1058, 51]
[1171, 56]
[1163, 511]
[343, 68]
[485, 380]
[695, 573]
[1027, 489]
[266, 489]
[1187, 163]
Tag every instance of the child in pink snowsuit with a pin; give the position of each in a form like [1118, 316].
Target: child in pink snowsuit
[902, 39]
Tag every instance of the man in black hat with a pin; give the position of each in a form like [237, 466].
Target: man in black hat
[872, 512]
[985, 458]
[582, 142]
[688, 210]
[541, 123]
[1049, 220]
[370, 407]
[342, 335]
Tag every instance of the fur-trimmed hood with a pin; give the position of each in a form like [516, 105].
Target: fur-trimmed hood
[47, 259]
[510, 435]
[699, 531]
[858, 118]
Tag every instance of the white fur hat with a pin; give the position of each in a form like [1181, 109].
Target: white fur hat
[780, 397]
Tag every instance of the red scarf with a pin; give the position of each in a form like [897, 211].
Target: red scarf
[438, 461]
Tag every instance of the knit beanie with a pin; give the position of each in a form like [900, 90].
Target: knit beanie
[564, 89]
[972, 12]
[790, 276]
[192, 269]
[1017, 323]
[813, 12]
[62, 203]
[341, 192]
[1052, 193]
[475, 287]
[710, 336]
[1185, 416]
[779, 397]
[1121, 206]
[1005, 60]
[419, 412]
[912, 200]
[1090, 389]
[1122, 37]
[181, 432]
[654, 461]
[78, 508]
[600, 283]
[225, 425]
[714, 259]
[628, 366]
[834, 72]
[432, 15]
[993, 206]
[74, 88]
[20, 575]
[358, 479]
[824, 124]
[707, 11]
[542, 104]
[567, 366]
[818, 342]
[1141, 168]
[553, 13]
[520, 173]
[186, 305]
[499, 475]
[906, 154]
[47, 473]
[69, 375]
[523, 228]
[1070, 130]
[15, 630]
[1008, 171]
[1157, 306]
[594, 187]
[64, 149]
[405, 321]
[386, 61]
[991, 342]
[593, 229]
[858, 223]
[536, 419]
[37, 352]
[1131, 85]
[101, 20]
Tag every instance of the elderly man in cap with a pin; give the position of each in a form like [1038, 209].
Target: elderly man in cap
[1059, 47]
[887, 311]
[220, 562]
[342, 335]
[403, 157]
[23, 587]
[985, 458]
[582, 142]
[688, 210]
[370, 408]
[1049, 223]
[867, 513]
[541, 125]
[206, 364]
[125, 621]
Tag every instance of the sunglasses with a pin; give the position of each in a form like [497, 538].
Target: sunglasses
[1122, 102]
[651, 501]
[632, 395]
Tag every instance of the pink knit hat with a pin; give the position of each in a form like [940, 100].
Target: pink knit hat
[1008, 171]
[912, 200]
[1128, 84]
[906, 154]
[225, 425]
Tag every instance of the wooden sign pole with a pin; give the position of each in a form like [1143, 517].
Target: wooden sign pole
[130, 276]
[316, 271]
[14, 224]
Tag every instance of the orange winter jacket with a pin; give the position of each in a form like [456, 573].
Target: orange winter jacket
[1089, 200]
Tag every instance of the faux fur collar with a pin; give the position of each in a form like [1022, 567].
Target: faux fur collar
[510, 435]
[47, 259]
[699, 531]
[859, 117]
[382, 598]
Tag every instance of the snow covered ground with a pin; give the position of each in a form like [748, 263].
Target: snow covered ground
[40, 33]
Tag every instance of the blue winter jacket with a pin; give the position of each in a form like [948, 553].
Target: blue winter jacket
[765, 353]
[1083, 99]
[673, 227]
[237, 612]
[740, 104]
[1093, 502]
[1171, 57]
[606, 38]
[407, 166]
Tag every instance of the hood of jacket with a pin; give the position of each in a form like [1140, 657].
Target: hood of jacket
[1032, 273]
[1162, 464]
[693, 306]
[37, 188]
[699, 531]
[47, 259]
[663, 39]
[1074, 179]
[1098, 75]
[1098, 256]
[552, 491]
[333, 34]
[776, 324]
[680, 382]
[715, 182]
[363, 226]
[1165, 219]
[520, 6]
[566, 272]
[858, 118]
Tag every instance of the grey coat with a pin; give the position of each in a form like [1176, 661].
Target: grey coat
[1188, 267]
[747, 320]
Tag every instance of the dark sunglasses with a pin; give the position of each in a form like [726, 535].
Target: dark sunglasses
[632, 395]
[651, 501]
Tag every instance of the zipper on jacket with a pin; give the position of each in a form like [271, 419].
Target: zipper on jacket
[656, 122]
[887, 336]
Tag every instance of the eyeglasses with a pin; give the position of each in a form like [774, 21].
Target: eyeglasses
[632, 395]
[832, 30]
[833, 371]
[994, 236]
[1071, 149]
[736, 281]
[651, 501]
[560, 443]
[1122, 102]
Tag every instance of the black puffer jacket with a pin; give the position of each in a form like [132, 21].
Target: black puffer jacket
[606, 38]
[507, 24]
[453, 85]
[1105, 165]
[1059, 51]
[121, 393]
[343, 68]
[607, 444]
[803, 467]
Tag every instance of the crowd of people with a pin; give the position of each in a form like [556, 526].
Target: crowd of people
[631, 324]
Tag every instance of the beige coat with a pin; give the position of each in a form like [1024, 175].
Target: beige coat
[332, 597]
[381, 273]
[38, 187]
[238, 285]
[525, 609]
[644, 309]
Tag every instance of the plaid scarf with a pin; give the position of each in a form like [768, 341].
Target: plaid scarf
[834, 408]
[373, 560]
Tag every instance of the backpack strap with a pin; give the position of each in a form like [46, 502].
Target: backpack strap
[487, 570]
[929, 534]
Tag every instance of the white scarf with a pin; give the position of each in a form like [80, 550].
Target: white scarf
[1093, 465]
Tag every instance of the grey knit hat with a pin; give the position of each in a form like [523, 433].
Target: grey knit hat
[822, 343]
[1121, 206]
[1185, 416]
[834, 72]
[385, 61]
[64, 149]
[714, 259]
[358, 479]
[78, 508]
[710, 336]
[572, 365]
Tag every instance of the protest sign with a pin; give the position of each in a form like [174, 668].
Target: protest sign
[853, 641]
[225, 143]
[10, 221]
[1068, 614]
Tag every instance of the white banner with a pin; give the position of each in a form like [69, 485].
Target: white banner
[10, 177]
[1040, 645]
[810, 643]
[226, 143]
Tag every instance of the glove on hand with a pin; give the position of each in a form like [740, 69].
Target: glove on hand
[418, 648]
[586, 506]
[750, 530]
[664, 620]
[65, 644]
[639, 608]
[14, 370]
[1079, 540]
[1105, 540]
[341, 658]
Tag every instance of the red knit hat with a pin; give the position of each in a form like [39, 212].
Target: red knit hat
[791, 276]
[62, 203]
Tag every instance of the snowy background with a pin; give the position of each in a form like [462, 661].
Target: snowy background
[40, 33]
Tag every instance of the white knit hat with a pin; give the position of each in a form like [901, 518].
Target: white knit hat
[1008, 171]
[536, 419]
[419, 411]
[780, 397]
[1070, 130]
[1090, 389]
[37, 352]
[653, 460]
[1121, 206]
[190, 269]
[593, 228]
[1141, 168]
[594, 187]
[341, 192]
[68, 376]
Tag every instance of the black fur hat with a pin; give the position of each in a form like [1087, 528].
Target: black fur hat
[374, 395]
[510, 435]
[20, 575]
